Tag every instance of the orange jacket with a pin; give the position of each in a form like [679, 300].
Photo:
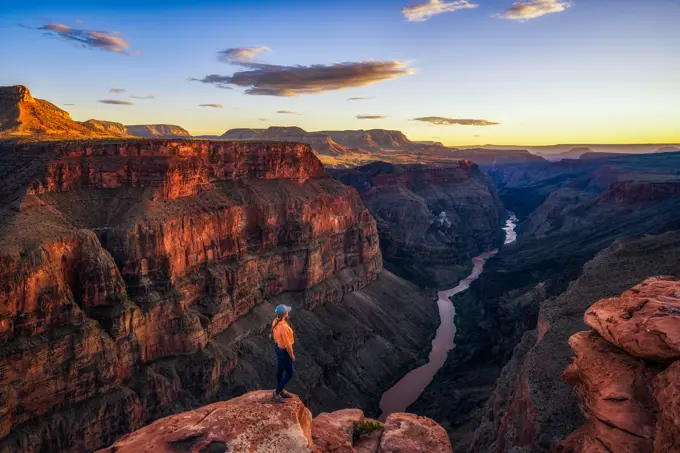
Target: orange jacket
[283, 334]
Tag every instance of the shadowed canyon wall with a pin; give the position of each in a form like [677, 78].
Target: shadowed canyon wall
[431, 220]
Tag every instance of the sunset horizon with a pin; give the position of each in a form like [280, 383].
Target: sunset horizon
[464, 73]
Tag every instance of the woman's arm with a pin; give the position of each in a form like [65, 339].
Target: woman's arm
[289, 348]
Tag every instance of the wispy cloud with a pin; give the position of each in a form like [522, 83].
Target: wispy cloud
[442, 121]
[531, 9]
[116, 90]
[263, 119]
[420, 12]
[287, 112]
[217, 106]
[134, 96]
[371, 117]
[359, 99]
[69, 104]
[115, 102]
[105, 40]
[241, 54]
[274, 80]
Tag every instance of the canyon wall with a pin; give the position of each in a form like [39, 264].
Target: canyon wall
[431, 220]
[138, 279]
[522, 412]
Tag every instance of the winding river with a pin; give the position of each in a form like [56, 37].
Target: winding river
[407, 390]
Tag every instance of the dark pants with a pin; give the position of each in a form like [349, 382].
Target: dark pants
[284, 368]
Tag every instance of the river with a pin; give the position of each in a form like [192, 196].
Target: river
[407, 390]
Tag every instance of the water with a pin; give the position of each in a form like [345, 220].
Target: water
[509, 228]
[408, 389]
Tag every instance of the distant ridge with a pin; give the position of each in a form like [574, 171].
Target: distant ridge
[157, 130]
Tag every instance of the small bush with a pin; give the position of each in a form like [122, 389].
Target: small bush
[366, 427]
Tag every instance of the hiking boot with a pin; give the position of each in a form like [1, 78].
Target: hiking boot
[285, 394]
[276, 398]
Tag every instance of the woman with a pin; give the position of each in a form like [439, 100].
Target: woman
[283, 345]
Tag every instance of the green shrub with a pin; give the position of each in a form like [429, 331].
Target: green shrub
[366, 427]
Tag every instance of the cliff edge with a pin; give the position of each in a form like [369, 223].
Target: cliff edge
[252, 423]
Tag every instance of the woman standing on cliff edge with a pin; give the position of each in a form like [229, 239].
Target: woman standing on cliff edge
[283, 345]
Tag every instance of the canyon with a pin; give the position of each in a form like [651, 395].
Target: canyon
[498, 389]
[431, 220]
[139, 277]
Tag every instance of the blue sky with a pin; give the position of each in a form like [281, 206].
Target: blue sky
[598, 71]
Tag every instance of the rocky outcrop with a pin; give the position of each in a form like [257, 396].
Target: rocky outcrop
[431, 220]
[618, 390]
[641, 191]
[138, 279]
[157, 131]
[253, 423]
[23, 115]
[521, 414]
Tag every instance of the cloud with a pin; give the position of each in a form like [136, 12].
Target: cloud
[134, 96]
[241, 54]
[287, 112]
[274, 80]
[116, 90]
[531, 9]
[370, 117]
[115, 102]
[358, 99]
[69, 104]
[217, 106]
[263, 119]
[90, 39]
[420, 12]
[441, 121]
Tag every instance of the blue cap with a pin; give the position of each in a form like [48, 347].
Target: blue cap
[282, 309]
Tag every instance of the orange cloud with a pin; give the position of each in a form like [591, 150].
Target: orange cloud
[531, 9]
[442, 121]
[91, 39]
[115, 102]
[239, 54]
[420, 12]
[370, 117]
[289, 81]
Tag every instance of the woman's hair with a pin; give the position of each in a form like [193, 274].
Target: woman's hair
[278, 319]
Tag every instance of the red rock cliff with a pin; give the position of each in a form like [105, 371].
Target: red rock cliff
[118, 259]
[627, 372]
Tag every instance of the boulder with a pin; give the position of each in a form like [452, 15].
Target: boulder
[333, 432]
[616, 396]
[250, 423]
[644, 321]
[408, 433]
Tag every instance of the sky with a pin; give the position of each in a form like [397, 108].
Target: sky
[462, 72]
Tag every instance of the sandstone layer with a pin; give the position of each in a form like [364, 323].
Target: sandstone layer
[253, 423]
[630, 404]
[431, 220]
[139, 277]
